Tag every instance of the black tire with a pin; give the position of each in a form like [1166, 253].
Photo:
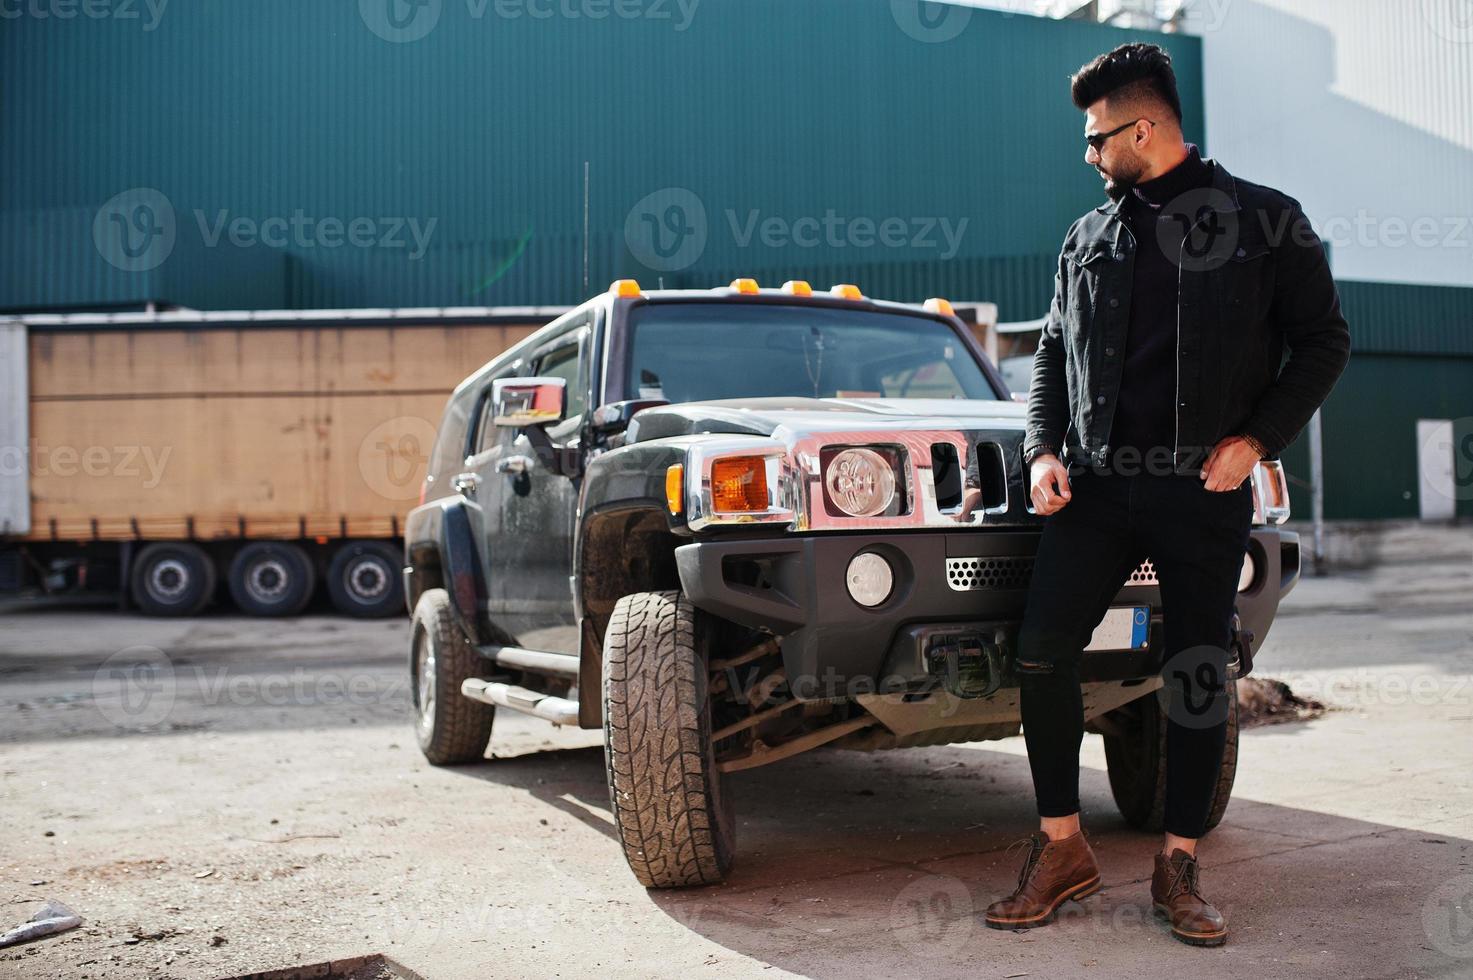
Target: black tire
[450, 727]
[1136, 762]
[364, 579]
[172, 579]
[271, 578]
[671, 811]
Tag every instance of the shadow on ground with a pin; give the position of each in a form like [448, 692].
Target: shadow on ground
[884, 861]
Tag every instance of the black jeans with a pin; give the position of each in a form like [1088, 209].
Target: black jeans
[1196, 538]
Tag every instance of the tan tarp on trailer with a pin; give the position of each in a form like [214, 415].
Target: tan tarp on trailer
[257, 431]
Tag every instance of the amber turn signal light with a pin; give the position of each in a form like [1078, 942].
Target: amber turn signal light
[675, 488]
[739, 484]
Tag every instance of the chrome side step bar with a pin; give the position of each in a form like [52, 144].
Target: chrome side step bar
[564, 665]
[559, 711]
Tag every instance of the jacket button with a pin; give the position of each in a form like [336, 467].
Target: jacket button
[1109, 352]
[1114, 303]
[1242, 252]
[1100, 400]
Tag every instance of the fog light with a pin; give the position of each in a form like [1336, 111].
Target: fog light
[869, 578]
[1246, 576]
[860, 482]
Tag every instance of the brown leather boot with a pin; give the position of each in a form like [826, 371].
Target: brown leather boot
[1054, 871]
[1176, 896]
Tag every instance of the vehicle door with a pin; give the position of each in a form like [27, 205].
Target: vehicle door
[533, 596]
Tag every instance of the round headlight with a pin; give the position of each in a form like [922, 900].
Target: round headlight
[869, 578]
[860, 482]
[1245, 577]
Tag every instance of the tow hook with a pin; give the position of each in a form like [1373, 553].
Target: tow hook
[1240, 650]
[969, 665]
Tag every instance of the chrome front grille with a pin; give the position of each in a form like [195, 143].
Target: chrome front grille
[1145, 574]
[978, 574]
[990, 574]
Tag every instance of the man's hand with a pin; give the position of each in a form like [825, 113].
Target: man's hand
[1048, 484]
[970, 501]
[1230, 463]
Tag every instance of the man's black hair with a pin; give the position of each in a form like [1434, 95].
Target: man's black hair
[1130, 73]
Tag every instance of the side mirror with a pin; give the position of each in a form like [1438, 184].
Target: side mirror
[528, 401]
[615, 416]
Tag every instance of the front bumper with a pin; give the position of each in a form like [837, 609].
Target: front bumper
[794, 586]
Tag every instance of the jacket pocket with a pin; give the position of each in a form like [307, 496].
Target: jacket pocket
[1247, 280]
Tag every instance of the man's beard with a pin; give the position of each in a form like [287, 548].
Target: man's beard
[1119, 184]
[1116, 190]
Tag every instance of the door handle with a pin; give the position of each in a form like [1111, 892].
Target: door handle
[466, 483]
[517, 464]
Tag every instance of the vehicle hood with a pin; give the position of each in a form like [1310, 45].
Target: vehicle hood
[765, 416]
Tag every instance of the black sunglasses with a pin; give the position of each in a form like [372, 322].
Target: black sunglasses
[1097, 140]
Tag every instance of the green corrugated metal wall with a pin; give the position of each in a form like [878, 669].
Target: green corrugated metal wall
[1396, 318]
[1370, 431]
[786, 108]
[1412, 358]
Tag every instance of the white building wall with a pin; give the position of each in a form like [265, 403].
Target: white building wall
[1360, 109]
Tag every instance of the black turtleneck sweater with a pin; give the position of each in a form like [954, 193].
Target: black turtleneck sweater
[1145, 414]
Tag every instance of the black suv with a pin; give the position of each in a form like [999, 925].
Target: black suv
[732, 525]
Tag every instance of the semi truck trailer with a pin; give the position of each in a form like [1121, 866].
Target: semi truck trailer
[178, 459]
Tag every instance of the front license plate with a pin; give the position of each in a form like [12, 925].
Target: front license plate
[1123, 628]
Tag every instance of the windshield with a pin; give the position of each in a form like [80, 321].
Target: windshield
[684, 352]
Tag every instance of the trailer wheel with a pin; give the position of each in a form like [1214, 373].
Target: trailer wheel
[1136, 762]
[673, 816]
[364, 579]
[271, 578]
[449, 727]
[172, 579]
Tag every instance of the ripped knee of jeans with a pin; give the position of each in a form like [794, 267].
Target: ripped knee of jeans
[1040, 675]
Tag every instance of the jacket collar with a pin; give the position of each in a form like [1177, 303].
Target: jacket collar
[1221, 181]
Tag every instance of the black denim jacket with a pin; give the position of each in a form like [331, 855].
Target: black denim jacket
[1253, 280]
